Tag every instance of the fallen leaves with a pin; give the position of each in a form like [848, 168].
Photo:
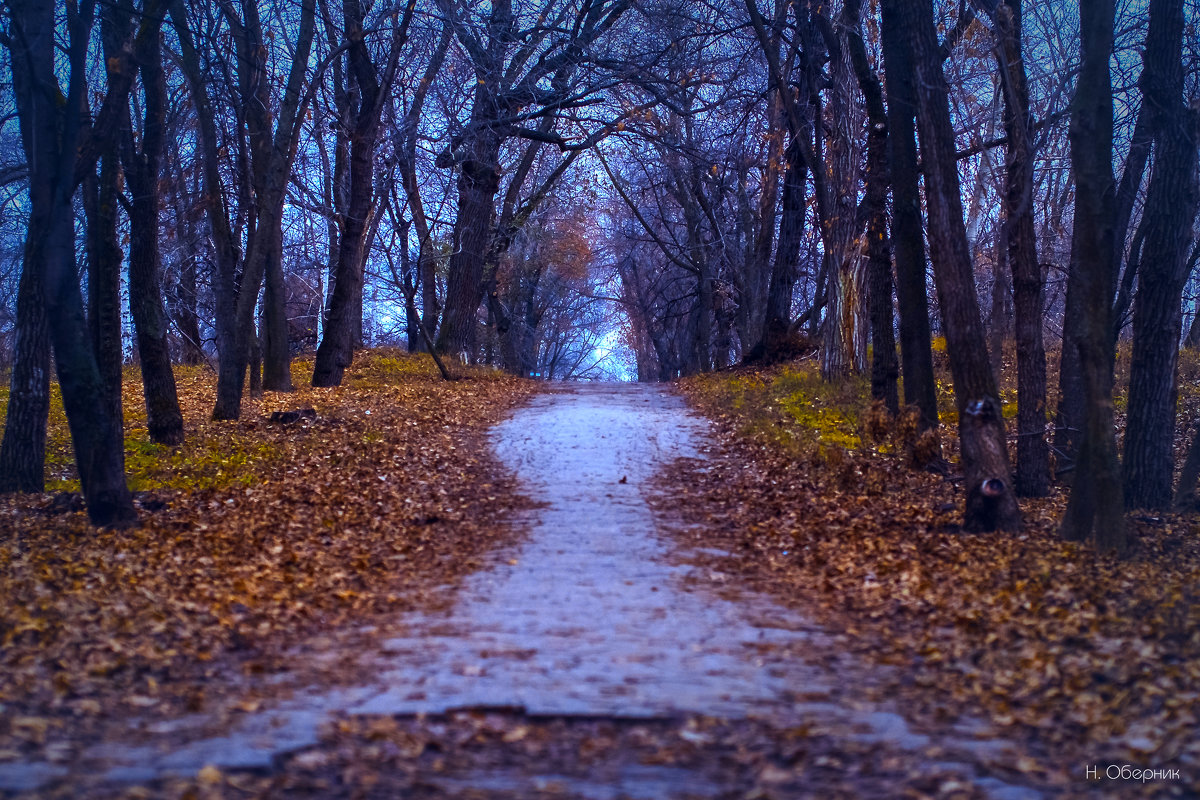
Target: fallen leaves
[1086, 657]
[252, 535]
[506, 754]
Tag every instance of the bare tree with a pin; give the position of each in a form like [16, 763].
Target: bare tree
[1164, 239]
[991, 500]
[370, 90]
[1095, 508]
[526, 70]
[60, 148]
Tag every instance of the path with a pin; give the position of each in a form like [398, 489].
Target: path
[588, 619]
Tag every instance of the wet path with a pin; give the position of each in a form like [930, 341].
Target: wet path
[588, 618]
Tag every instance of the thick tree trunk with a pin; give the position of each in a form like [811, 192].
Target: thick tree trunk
[847, 318]
[478, 183]
[916, 352]
[164, 418]
[991, 502]
[1095, 508]
[1033, 454]
[337, 345]
[23, 451]
[1166, 233]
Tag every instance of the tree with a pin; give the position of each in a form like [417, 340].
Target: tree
[1095, 508]
[58, 148]
[1020, 238]
[1165, 236]
[370, 93]
[267, 131]
[884, 369]
[908, 241]
[525, 67]
[991, 500]
[164, 420]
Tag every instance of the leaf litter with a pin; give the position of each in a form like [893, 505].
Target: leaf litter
[252, 535]
[1089, 660]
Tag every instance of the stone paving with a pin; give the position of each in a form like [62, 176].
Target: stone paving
[588, 618]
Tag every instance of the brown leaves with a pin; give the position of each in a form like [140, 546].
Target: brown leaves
[261, 534]
[1082, 654]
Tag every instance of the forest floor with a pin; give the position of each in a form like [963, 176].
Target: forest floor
[426, 593]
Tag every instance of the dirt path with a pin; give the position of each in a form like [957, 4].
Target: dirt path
[591, 622]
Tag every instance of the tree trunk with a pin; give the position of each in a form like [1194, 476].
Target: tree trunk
[1033, 454]
[884, 367]
[1095, 506]
[991, 501]
[50, 129]
[276, 348]
[782, 282]
[164, 420]
[916, 352]
[1166, 232]
[23, 451]
[478, 183]
[104, 281]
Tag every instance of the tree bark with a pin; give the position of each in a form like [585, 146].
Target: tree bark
[164, 420]
[884, 367]
[104, 281]
[478, 182]
[782, 282]
[23, 451]
[1095, 507]
[50, 133]
[991, 502]
[1033, 454]
[1166, 232]
[908, 243]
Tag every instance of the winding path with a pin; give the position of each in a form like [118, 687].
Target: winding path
[589, 617]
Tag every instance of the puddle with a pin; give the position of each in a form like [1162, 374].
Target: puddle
[588, 617]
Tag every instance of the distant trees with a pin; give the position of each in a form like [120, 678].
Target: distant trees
[533, 185]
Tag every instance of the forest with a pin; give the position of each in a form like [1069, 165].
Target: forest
[272, 272]
[636, 189]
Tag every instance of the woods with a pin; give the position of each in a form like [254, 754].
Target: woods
[620, 189]
[755, 398]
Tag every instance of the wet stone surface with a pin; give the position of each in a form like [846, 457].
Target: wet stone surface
[588, 619]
